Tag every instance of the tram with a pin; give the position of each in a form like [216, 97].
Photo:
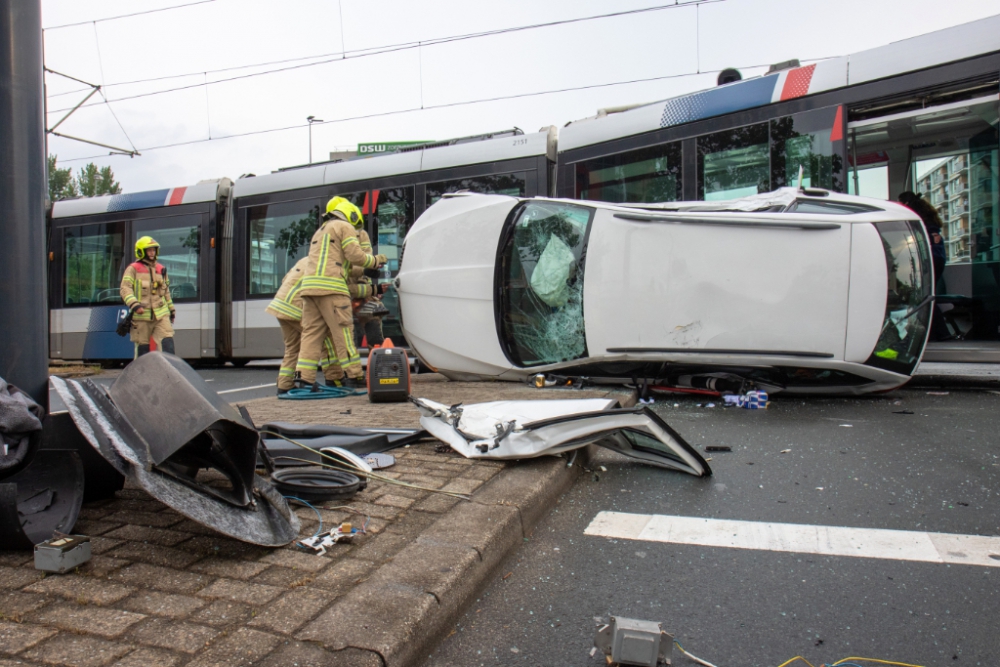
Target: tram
[226, 246]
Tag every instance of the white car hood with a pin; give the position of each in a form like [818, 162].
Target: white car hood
[528, 429]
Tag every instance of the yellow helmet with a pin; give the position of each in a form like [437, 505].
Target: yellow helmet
[350, 212]
[144, 244]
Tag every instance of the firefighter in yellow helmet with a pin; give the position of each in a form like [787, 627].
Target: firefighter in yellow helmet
[146, 291]
[287, 307]
[326, 298]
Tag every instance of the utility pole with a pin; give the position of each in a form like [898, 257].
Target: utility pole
[23, 263]
[311, 120]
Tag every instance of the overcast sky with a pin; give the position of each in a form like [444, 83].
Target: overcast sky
[201, 39]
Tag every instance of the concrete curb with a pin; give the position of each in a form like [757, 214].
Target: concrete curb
[398, 616]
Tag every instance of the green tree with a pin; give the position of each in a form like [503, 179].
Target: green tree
[61, 183]
[90, 182]
[94, 182]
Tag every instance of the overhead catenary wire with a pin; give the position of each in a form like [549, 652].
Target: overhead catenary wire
[443, 105]
[100, 63]
[94, 89]
[125, 16]
[374, 51]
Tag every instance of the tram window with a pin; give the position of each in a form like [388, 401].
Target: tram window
[180, 249]
[647, 175]
[803, 140]
[93, 260]
[734, 163]
[513, 184]
[278, 235]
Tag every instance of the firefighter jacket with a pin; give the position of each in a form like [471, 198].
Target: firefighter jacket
[287, 303]
[147, 285]
[358, 283]
[333, 244]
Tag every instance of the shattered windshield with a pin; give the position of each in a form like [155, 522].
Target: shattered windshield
[908, 300]
[540, 284]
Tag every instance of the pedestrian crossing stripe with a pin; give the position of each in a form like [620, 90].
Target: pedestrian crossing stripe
[800, 538]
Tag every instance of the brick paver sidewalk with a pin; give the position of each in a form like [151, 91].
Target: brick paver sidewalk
[162, 590]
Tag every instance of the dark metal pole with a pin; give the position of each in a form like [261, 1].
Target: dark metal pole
[24, 313]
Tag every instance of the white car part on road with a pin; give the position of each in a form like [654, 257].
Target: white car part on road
[527, 429]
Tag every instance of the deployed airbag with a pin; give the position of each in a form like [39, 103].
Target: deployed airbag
[526, 429]
[550, 279]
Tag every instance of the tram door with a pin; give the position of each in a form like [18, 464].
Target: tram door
[184, 252]
[949, 155]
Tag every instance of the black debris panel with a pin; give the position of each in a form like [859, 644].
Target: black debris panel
[360, 441]
[163, 428]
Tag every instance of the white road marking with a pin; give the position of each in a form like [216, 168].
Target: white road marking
[800, 538]
[259, 386]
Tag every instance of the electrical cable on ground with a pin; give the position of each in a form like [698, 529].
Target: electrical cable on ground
[307, 504]
[345, 466]
[374, 51]
[694, 657]
[798, 657]
[843, 662]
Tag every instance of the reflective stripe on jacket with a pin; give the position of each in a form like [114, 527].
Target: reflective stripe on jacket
[287, 303]
[334, 244]
[147, 288]
[359, 285]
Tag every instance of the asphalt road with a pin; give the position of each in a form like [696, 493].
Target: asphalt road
[852, 463]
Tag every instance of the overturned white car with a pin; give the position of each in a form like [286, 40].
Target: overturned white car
[803, 291]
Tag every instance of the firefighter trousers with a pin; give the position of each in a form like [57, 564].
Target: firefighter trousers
[145, 330]
[291, 333]
[319, 314]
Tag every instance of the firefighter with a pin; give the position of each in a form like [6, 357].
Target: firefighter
[287, 308]
[146, 291]
[326, 297]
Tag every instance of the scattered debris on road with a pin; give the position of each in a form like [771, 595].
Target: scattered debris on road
[164, 451]
[629, 641]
